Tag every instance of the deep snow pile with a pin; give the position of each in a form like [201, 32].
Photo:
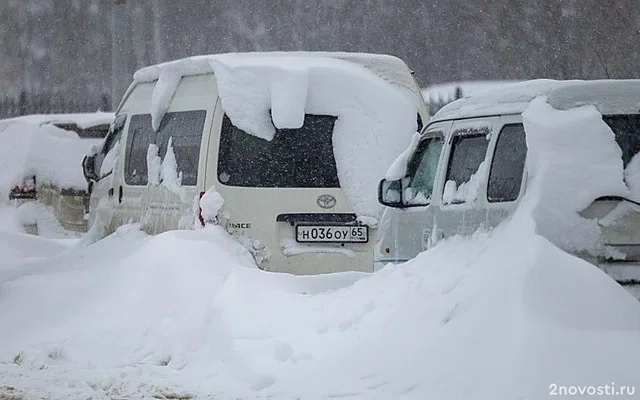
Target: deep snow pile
[186, 313]
[260, 92]
[53, 155]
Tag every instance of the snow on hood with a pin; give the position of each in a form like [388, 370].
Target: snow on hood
[376, 105]
[53, 155]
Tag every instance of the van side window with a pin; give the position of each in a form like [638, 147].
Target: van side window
[185, 127]
[138, 140]
[505, 176]
[294, 158]
[113, 136]
[626, 129]
[466, 166]
[421, 170]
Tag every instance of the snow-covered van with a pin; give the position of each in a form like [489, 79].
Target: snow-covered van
[569, 147]
[285, 151]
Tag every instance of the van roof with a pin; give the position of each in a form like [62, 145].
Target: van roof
[390, 68]
[608, 96]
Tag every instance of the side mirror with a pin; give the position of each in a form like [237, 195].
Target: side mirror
[390, 193]
[88, 168]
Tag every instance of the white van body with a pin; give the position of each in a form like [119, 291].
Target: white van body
[206, 118]
[412, 224]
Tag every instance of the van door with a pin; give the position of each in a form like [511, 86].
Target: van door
[103, 200]
[170, 203]
[282, 198]
[506, 182]
[405, 232]
[461, 207]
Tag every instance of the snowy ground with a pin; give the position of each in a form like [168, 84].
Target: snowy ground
[185, 314]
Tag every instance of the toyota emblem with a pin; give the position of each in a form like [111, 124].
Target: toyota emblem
[326, 201]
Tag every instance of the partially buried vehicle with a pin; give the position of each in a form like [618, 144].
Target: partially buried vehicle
[575, 143]
[293, 143]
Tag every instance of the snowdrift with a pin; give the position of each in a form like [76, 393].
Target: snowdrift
[502, 315]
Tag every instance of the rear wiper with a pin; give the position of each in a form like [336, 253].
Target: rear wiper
[618, 198]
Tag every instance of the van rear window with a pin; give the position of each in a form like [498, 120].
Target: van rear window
[185, 127]
[626, 129]
[300, 158]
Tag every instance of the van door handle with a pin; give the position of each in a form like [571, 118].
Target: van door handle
[110, 192]
[120, 195]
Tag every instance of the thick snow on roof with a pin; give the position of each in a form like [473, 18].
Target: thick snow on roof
[606, 95]
[374, 97]
[83, 120]
[53, 155]
[447, 91]
[389, 68]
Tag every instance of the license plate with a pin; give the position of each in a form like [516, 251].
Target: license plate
[332, 234]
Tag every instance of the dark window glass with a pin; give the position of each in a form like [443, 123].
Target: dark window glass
[114, 134]
[505, 176]
[468, 151]
[627, 132]
[294, 158]
[93, 132]
[421, 171]
[185, 127]
[140, 136]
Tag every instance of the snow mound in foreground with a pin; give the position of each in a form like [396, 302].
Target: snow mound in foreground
[494, 316]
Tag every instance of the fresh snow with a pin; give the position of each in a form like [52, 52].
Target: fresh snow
[572, 159]
[398, 168]
[53, 155]
[468, 191]
[210, 205]
[83, 120]
[288, 100]
[154, 165]
[376, 107]
[186, 313]
[163, 92]
[110, 160]
[447, 91]
[171, 178]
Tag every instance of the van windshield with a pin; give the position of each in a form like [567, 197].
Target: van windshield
[301, 158]
[626, 129]
[421, 170]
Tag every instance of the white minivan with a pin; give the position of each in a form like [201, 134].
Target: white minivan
[467, 170]
[294, 143]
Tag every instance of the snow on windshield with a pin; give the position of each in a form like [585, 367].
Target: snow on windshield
[259, 92]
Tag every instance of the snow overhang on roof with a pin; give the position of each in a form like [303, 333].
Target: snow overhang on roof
[608, 96]
[390, 68]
